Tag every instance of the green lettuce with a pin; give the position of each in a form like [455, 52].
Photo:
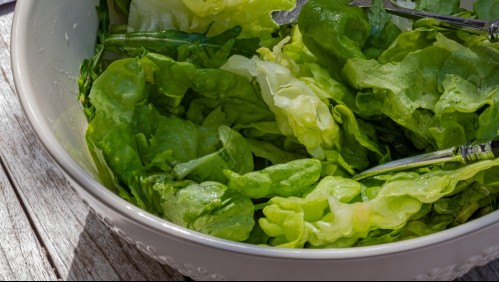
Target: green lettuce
[284, 180]
[326, 217]
[211, 17]
[334, 31]
[297, 109]
[208, 207]
[486, 9]
[429, 91]
[357, 138]
[192, 120]
[153, 155]
[448, 7]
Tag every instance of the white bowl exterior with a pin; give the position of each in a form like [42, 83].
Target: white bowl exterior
[51, 38]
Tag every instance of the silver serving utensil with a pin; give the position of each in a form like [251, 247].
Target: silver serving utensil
[492, 27]
[472, 25]
[288, 17]
[463, 154]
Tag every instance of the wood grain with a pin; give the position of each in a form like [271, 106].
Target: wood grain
[21, 255]
[78, 245]
[488, 272]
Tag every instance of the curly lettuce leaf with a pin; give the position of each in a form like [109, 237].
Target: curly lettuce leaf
[211, 166]
[275, 138]
[285, 180]
[222, 98]
[297, 109]
[211, 17]
[150, 154]
[208, 207]
[358, 138]
[325, 218]
[334, 31]
[428, 91]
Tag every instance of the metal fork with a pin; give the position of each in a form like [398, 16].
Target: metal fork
[473, 25]
[492, 27]
[463, 154]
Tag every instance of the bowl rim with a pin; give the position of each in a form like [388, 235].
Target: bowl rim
[112, 201]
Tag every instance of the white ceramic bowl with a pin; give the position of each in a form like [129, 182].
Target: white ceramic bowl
[49, 41]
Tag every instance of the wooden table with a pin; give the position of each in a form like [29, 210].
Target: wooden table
[46, 232]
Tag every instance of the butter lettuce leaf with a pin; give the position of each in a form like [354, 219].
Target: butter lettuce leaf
[486, 9]
[326, 218]
[298, 111]
[285, 180]
[448, 7]
[208, 207]
[211, 17]
[437, 93]
[166, 165]
[192, 121]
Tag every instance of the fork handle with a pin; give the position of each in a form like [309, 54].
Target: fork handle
[492, 27]
[494, 31]
[485, 151]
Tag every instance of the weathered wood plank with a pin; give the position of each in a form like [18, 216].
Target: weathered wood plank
[21, 255]
[80, 246]
[488, 272]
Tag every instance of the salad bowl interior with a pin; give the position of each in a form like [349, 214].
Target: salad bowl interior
[50, 40]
